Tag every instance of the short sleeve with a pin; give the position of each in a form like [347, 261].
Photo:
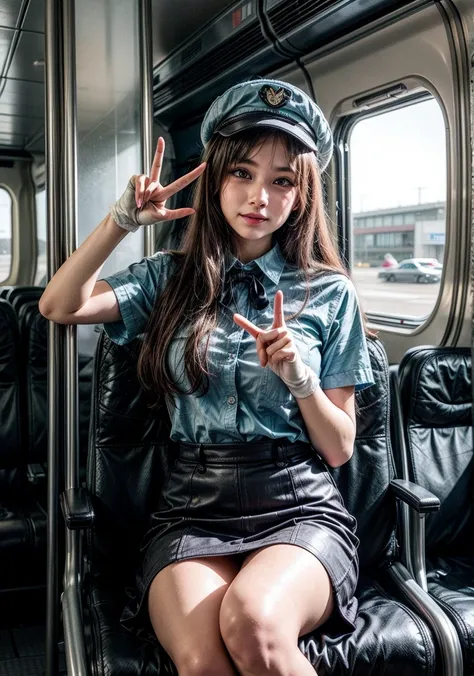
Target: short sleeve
[345, 357]
[136, 289]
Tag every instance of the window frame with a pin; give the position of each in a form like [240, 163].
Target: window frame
[342, 133]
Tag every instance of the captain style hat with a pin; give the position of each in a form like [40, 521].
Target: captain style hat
[270, 103]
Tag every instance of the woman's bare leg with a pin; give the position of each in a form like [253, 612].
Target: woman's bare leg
[184, 603]
[281, 593]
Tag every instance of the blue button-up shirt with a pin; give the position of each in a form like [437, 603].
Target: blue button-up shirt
[246, 402]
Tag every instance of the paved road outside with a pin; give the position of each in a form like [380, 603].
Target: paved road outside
[395, 298]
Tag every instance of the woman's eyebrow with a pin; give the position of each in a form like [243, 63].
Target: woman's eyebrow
[247, 160]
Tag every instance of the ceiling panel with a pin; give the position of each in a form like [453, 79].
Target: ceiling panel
[34, 19]
[30, 48]
[6, 36]
[9, 12]
[19, 96]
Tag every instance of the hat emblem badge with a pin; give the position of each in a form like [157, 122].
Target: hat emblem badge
[275, 98]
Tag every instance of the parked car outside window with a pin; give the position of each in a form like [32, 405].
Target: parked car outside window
[417, 270]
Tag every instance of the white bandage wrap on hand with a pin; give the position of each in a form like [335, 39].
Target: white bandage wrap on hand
[125, 211]
[299, 378]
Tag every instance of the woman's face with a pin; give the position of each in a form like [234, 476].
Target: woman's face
[257, 197]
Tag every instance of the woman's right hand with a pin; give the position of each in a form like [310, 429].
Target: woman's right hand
[143, 201]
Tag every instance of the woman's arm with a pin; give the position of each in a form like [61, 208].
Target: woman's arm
[73, 284]
[74, 287]
[330, 421]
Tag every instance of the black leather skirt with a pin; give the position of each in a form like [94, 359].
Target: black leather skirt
[223, 500]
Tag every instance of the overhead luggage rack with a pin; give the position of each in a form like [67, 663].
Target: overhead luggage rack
[231, 48]
[248, 40]
[205, 66]
[304, 25]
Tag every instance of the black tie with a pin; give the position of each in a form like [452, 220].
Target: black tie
[257, 295]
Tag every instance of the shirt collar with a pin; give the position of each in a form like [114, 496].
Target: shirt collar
[271, 263]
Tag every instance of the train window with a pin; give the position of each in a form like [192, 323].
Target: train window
[398, 195]
[41, 267]
[5, 234]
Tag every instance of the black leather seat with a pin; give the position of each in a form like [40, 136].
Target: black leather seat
[22, 520]
[4, 290]
[34, 393]
[129, 452]
[17, 295]
[436, 411]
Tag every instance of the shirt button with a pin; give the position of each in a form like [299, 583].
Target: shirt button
[231, 400]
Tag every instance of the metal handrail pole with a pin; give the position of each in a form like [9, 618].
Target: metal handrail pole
[53, 206]
[426, 606]
[146, 98]
[76, 658]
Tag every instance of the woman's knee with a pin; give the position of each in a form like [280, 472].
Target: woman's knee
[200, 661]
[253, 634]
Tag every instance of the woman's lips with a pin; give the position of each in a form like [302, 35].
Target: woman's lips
[253, 220]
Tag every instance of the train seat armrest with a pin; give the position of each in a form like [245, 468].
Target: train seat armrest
[36, 473]
[77, 508]
[417, 497]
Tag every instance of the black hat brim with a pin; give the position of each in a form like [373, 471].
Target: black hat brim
[252, 120]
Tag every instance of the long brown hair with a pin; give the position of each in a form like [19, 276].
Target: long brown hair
[191, 295]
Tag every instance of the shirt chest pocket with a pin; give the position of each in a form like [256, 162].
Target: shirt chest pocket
[273, 387]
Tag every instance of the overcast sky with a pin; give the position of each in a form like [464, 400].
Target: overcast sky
[399, 158]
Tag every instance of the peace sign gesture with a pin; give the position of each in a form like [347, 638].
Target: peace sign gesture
[143, 201]
[276, 349]
[274, 345]
[151, 195]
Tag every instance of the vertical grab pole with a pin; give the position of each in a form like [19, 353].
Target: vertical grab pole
[53, 183]
[70, 223]
[146, 86]
[71, 599]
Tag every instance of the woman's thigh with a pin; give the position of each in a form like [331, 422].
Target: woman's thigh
[284, 585]
[184, 603]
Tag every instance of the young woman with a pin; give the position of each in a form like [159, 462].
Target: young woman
[253, 334]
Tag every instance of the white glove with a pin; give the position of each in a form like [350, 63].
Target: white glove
[125, 211]
[299, 378]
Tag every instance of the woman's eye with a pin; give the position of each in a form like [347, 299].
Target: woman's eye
[240, 173]
[284, 182]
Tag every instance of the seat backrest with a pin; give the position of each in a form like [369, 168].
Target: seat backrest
[11, 448]
[436, 400]
[129, 453]
[21, 295]
[364, 480]
[34, 357]
[28, 292]
[34, 354]
[4, 290]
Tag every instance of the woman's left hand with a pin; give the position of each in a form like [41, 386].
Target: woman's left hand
[276, 349]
